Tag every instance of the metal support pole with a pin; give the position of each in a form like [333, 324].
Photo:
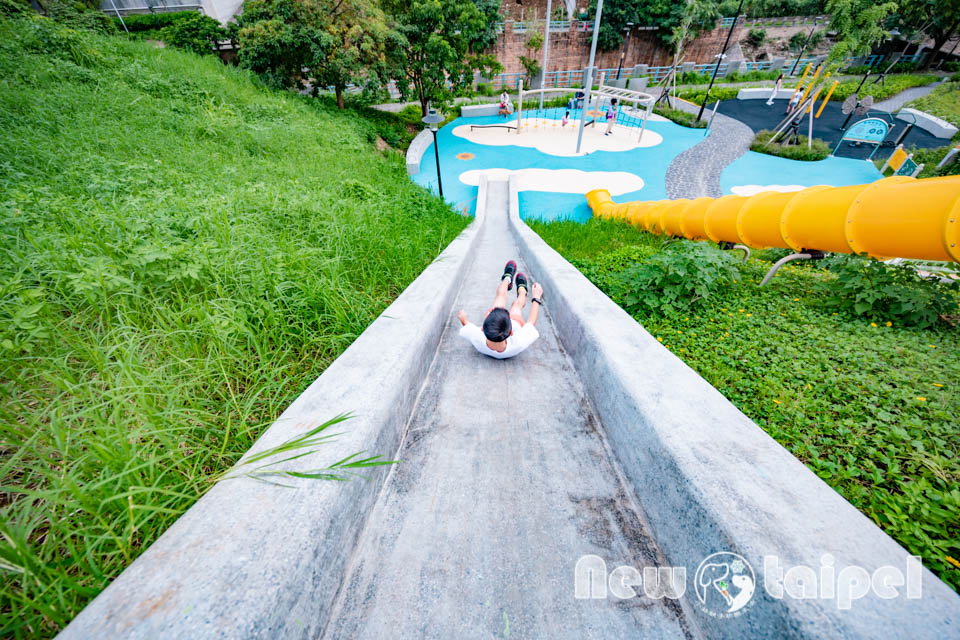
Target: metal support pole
[593, 55]
[546, 48]
[804, 48]
[436, 153]
[720, 59]
[623, 53]
[117, 11]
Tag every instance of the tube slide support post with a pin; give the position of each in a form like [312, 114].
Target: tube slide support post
[589, 83]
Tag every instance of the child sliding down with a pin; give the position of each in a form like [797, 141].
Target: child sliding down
[504, 333]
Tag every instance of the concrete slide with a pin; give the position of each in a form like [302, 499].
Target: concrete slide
[896, 217]
[595, 443]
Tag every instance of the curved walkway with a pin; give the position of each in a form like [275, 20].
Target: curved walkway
[894, 103]
[696, 172]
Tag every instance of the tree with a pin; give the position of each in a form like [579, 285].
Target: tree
[198, 33]
[938, 19]
[437, 46]
[330, 43]
[858, 24]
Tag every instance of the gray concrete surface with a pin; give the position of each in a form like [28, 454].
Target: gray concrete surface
[415, 151]
[710, 480]
[506, 481]
[934, 125]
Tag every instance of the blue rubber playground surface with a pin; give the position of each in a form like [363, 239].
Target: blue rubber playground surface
[759, 169]
[649, 163]
[461, 159]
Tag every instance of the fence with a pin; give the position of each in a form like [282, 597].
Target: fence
[575, 78]
[791, 21]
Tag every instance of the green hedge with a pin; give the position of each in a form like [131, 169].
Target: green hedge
[153, 21]
[798, 151]
[681, 117]
[891, 86]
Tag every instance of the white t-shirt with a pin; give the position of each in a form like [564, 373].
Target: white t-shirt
[522, 338]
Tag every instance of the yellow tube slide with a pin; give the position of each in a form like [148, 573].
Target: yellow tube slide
[895, 217]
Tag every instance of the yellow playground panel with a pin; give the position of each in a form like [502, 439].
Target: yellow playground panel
[896, 217]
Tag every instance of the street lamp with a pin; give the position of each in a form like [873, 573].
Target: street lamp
[432, 119]
[626, 39]
[806, 42]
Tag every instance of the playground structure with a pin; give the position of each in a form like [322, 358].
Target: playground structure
[594, 103]
[896, 217]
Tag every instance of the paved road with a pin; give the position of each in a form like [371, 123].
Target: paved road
[507, 480]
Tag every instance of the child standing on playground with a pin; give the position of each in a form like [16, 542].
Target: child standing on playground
[794, 101]
[776, 90]
[565, 119]
[611, 116]
[504, 333]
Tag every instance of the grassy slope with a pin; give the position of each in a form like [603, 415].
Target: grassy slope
[871, 409]
[943, 102]
[183, 252]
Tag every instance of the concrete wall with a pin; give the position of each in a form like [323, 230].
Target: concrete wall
[415, 151]
[711, 480]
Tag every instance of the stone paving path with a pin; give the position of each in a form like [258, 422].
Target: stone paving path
[696, 172]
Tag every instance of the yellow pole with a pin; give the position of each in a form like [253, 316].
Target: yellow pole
[816, 95]
[813, 81]
[827, 99]
[802, 78]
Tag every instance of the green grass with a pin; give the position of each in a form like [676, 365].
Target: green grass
[871, 409]
[183, 252]
[943, 102]
[818, 151]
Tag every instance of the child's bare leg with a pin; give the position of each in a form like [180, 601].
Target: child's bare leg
[516, 309]
[501, 299]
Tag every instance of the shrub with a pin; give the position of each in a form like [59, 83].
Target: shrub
[681, 276]
[153, 21]
[799, 151]
[875, 290]
[681, 117]
[76, 15]
[892, 85]
[696, 96]
[197, 33]
[756, 37]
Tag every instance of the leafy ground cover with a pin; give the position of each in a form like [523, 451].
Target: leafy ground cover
[183, 252]
[943, 102]
[866, 402]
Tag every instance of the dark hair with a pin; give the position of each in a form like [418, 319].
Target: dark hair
[497, 325]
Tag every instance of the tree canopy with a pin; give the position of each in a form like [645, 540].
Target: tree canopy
[437, 45]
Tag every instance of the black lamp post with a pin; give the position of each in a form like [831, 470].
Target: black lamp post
[432, 119]
[626, 40]
[723, 54]
[805, 43]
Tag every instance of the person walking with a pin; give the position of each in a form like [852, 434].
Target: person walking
[776, 90]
